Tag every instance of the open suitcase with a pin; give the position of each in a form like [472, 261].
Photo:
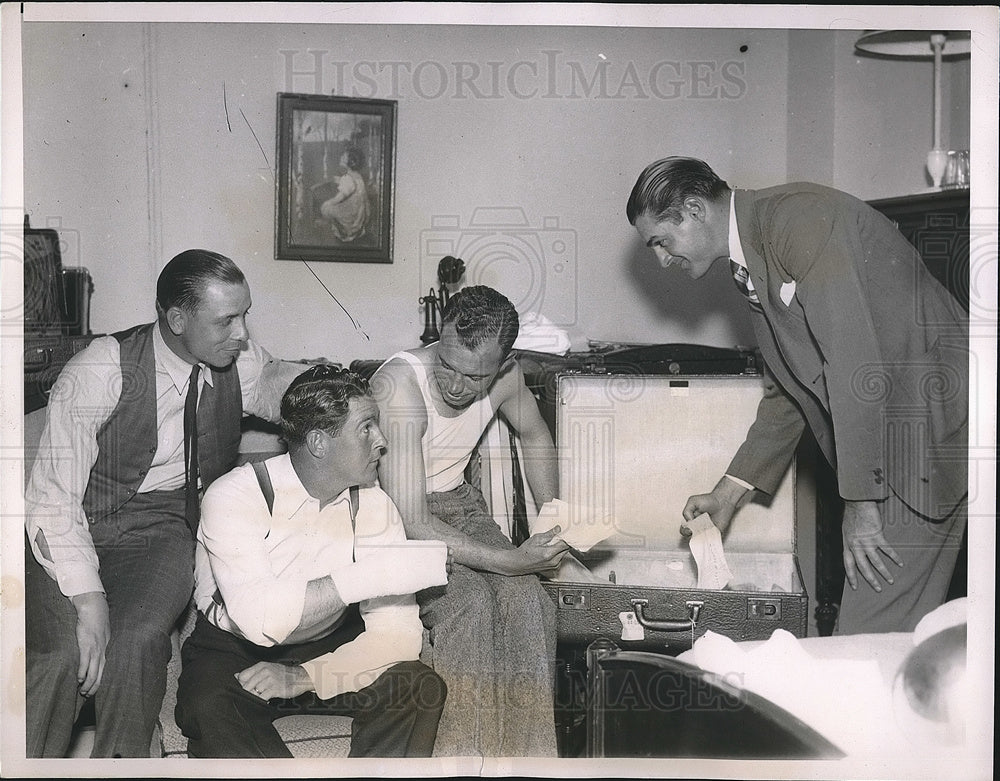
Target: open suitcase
[636, 447]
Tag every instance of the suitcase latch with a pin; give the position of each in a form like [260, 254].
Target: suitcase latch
[574, 598]
[764, 609]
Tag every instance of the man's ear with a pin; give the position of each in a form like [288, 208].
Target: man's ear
[317, 442]
[176, 320]
[507, 363]
[694, 207]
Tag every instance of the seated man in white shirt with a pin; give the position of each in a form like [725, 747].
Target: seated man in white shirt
[304, 583]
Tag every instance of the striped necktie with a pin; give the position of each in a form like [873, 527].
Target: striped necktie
[742, 279]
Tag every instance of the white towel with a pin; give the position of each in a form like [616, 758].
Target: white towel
[402, 568]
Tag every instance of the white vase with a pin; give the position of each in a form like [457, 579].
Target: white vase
[937, 159]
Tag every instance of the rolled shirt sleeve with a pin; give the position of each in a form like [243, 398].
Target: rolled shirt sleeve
[81, 401]
[393, 634]
[393, 631]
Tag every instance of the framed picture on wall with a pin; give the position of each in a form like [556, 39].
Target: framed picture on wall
[335, 167]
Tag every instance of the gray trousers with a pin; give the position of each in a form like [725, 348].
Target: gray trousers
[928, 551]
[146, 555]
[494, 644]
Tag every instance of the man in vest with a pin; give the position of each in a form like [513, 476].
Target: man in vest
[136, 423]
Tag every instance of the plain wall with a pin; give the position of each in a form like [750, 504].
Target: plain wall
[142, 140]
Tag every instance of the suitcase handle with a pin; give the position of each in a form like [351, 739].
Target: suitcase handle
[37, 358]
[667, 625]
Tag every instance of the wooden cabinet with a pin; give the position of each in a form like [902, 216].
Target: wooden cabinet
[937, 224]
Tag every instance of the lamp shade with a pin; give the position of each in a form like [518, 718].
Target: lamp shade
[913, 43]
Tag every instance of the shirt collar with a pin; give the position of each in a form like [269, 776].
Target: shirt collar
[176, 368]
[288, 489]
[735, 245]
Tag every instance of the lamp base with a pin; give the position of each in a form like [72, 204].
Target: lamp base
[937, 160]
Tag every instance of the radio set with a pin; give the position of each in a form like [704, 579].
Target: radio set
[56, 312]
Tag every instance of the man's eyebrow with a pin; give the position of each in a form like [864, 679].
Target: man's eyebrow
[447, 365]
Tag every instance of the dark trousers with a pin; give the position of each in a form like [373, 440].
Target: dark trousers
[396, 716]
[146, 556]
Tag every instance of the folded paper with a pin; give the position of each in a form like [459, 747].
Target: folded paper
[571, 570]
[579, 527]
[709, 557]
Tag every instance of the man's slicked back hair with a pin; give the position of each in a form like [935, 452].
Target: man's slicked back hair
[183, 279]
[662, 187]
[319, 398]
[480, 314]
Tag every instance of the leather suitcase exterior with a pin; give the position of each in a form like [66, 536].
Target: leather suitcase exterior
[636, 447]
[44, 358]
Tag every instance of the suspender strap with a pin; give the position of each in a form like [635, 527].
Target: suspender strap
[353, 497]
[264, 480]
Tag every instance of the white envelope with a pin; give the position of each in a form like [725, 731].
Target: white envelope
[579, 526]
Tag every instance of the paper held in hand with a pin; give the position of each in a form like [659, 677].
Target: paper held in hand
[709, 557]
[578, 526]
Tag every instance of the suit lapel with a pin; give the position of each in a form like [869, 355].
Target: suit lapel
[788, 326]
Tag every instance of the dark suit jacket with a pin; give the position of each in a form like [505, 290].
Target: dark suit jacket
[872, 352]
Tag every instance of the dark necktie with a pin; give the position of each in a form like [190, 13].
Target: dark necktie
[191, 450]
[520, 531]
[742, 279]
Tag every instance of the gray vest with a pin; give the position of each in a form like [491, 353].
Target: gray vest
[127, 440]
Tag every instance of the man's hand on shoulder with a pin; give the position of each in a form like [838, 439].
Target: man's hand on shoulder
[93, 632]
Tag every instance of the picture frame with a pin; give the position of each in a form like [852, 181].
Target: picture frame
[334, 184]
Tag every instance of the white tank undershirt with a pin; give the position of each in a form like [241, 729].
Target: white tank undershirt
[448, 442]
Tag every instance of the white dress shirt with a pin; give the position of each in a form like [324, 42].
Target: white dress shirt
[82, 400]
[735, 246]
[787, 291]
[737, 256]
[262, 564]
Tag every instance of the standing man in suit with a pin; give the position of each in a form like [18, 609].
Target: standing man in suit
[864, 346]
[135, 424]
